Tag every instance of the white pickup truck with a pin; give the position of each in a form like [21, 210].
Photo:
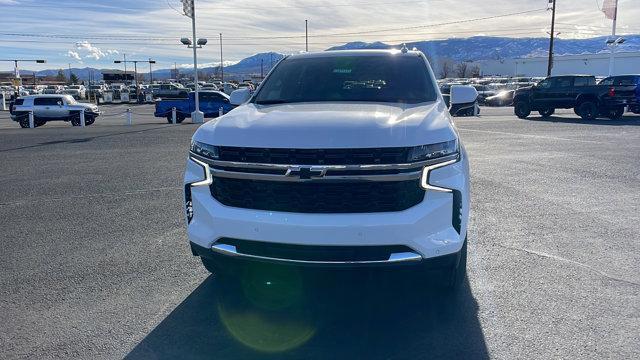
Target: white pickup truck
[338, 159]
[52, 108]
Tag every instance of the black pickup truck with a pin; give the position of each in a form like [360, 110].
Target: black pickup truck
[580, 92]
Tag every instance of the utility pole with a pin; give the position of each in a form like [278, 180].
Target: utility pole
[221, 61]
[125, 66]
[150, 72]
[261, 68]
[553, 25]
[306, 35]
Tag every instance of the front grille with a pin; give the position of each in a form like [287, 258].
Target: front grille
[367, 156]
[315, 252]
[317, 197]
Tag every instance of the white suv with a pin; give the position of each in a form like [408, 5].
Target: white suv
[52, 108]
[346, 158]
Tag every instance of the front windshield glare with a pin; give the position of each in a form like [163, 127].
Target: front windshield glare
[385, 78]
[70, 100]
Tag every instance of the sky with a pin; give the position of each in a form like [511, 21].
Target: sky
[95, 33]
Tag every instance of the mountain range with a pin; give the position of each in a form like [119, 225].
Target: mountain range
[456, 49]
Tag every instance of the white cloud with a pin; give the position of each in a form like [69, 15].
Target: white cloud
[93, 52]
[74, 55]
[8, 2]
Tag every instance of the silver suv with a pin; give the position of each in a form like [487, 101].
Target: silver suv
[52, 108]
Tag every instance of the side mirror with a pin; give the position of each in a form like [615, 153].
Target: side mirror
[239, 97]
[463, 94]
[463, 101]
[59, 103]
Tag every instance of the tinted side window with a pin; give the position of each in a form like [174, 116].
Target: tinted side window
[626, 80]
[46, 101]
[607, 81]
[18, 102]
[582, 81]
[563, 82]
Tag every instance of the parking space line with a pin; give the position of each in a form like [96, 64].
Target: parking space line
[531, 136]
[579, 264]
[126, 193]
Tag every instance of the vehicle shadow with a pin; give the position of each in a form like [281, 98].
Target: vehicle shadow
[632, 120]
[286, 314]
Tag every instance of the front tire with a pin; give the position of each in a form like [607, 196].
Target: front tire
[24, 123]
[547, 112]
[522, 109]
[588, 110]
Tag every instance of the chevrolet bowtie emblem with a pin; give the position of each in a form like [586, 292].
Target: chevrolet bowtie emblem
[306, 172]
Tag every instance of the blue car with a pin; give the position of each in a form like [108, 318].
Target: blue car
[210, 104]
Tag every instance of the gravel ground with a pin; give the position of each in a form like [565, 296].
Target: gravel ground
[95, 262]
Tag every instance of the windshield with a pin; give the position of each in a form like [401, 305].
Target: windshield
[384, 78]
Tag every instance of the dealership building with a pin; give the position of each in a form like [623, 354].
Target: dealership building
[593, 64]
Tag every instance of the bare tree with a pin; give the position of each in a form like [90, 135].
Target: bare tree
[461, 69]
[446, 69]
[474, 71]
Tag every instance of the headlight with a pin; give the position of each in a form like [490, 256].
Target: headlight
[433, 151]
[204, 150]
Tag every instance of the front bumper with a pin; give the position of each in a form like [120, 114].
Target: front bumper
[426, 229]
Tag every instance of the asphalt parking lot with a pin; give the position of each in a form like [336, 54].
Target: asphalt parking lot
[95, 262]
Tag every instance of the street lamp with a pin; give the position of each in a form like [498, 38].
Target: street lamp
[613, 43]
[189, 10]
[17, 69]
[135, 71]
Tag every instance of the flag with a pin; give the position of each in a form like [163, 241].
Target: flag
[610, 9]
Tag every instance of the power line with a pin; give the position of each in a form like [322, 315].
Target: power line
[364, 32]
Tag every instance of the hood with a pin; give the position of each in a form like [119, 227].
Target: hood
[523, 89]
[85, 106]
[330, 125]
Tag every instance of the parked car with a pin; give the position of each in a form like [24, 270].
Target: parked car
[79, 92]
[96, 90]
[228, 88]
[503, 98]
[51, 108]
[484, 92]
[579, 92]
[339, 159]
[626, 80]
[52, 89]
[210, 104]
[209, 87]
[170, 91]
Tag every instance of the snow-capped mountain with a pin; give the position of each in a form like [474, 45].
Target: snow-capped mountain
[456, 49]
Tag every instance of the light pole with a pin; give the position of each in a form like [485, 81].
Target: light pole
[613, 44]
[553, 25]
[135, 71]
[221, 62]
[189, 8]
[306, 35]
[17, 69]
[151, 71]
